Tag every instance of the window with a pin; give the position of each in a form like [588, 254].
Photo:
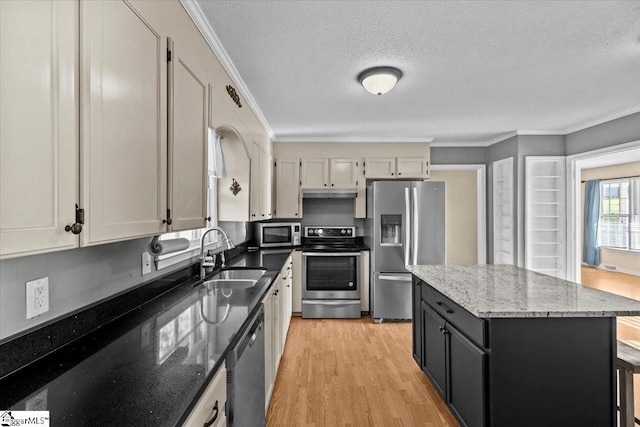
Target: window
[194, 236]
[619, 225]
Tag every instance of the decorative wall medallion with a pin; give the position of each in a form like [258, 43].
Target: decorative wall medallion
[234, 95]
[235, 187]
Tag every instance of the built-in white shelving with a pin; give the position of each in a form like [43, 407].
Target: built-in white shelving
[545, 215]
[503, 238]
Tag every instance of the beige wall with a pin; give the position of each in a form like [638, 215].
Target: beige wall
[283, 150]
[462, 221]
[624, 260]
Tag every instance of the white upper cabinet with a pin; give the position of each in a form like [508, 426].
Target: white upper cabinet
[324, 173]
[266, 174]
[380, 168]
[287, 188]
[39, 133]
[188, 119]
[412, 167]
[314, 173]
[261, 184]
[124, 116]
[400, 167]
[343, 173]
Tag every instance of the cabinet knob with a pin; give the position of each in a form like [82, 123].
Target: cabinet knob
[74, 228]
[296, 214]
[325, 185]
[391, 173]
[167, 221]
[208, 218]
[399, 174]
[332, 185]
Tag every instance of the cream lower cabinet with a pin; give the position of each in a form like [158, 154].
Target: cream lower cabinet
[365, 284]
[39, 142]
[286, 276]
[296, 282]
[211, 408]
[277, 317]
[272, 338]
[124, 123]
[287, 189]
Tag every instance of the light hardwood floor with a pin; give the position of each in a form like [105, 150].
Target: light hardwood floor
[338, 372]
[628, 328]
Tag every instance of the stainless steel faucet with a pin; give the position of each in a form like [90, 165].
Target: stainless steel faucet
[228, 243]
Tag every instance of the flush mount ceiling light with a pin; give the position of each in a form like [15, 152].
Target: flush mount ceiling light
[379, 80]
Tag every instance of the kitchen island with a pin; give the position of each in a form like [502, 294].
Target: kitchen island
[505, 346]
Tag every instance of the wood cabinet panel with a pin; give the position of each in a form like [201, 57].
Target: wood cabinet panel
[187, 143]
[124, 115]
[39, 143]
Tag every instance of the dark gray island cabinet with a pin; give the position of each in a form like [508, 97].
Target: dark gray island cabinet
[509, 347]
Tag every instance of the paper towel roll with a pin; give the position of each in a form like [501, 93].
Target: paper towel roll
[163, 247]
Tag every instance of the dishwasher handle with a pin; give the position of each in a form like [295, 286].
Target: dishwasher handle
[250, 336]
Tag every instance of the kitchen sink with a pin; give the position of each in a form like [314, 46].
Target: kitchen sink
[229, 283]
[233, 274]
[234, 278]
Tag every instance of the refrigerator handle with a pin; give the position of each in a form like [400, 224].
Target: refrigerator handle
[414, 227]
[407, 226]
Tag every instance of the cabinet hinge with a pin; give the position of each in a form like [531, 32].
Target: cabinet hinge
[300, 164]
[168, 213]
[356, 182]
[274, 164]
[79, 215]
[356, 163]
[300, 182]
[168, 55]
[364, 164]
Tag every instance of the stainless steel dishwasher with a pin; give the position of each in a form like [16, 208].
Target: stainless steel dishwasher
[245, 376]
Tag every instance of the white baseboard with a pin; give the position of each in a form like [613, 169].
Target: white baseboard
[619, 270]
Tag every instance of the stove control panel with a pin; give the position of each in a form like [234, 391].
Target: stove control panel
[329, 232]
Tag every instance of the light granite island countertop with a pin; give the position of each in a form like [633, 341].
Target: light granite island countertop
[505, 346]
[494, 291]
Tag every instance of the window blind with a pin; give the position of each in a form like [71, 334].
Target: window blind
[619, 225]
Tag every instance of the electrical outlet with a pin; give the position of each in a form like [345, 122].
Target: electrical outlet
[37, 297]
[146, 263]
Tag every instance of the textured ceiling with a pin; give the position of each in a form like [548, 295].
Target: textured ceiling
[473, 71]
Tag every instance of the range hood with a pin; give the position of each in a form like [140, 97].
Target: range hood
[329, 193]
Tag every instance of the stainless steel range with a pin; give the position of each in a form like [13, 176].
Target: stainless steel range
[330, 273]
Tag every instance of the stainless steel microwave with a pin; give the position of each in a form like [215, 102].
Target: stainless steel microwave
[275, 235]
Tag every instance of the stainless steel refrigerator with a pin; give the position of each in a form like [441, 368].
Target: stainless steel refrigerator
[405, 225]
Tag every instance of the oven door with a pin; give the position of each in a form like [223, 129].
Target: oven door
[331, 275]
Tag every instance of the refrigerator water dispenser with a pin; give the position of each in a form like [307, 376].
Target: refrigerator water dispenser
[391, 230]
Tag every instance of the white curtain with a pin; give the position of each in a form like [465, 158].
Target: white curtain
[216, 164]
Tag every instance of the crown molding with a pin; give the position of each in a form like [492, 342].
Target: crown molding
[454, 144]
[351, 139]
[601, 120]
[198, 17]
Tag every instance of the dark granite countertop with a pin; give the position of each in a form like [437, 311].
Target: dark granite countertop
[147, 367]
